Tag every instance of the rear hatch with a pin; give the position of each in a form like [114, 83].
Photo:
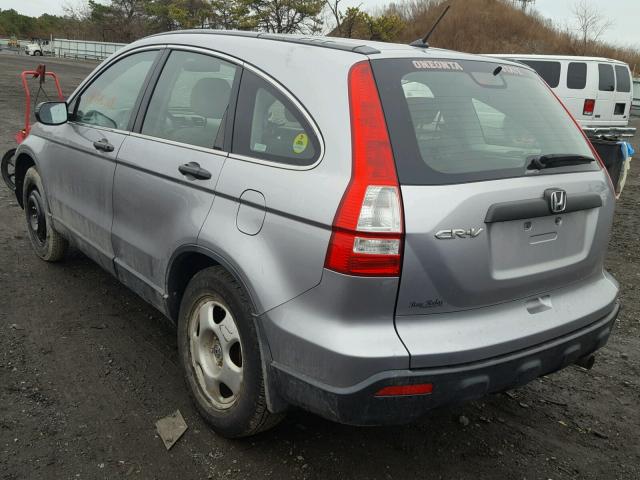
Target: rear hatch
[503, 199]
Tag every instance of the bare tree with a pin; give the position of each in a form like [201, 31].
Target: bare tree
[591, 23]
[334, 8]
[524, 3]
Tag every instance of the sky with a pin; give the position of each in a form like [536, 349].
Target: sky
[625, 14]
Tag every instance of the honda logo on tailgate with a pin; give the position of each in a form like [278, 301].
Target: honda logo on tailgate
[557, 200]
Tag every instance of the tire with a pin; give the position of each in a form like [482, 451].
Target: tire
[37, 53]
[8, 169]
[48, 244]
[218, 343]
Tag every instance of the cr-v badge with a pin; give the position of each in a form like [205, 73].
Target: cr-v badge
[458, 233]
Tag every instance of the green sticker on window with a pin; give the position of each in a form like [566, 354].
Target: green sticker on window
[300, 143]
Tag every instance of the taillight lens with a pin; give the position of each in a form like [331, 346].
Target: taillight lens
[589, 107]
[368, 226]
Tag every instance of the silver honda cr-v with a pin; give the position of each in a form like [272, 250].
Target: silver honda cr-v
[363, 230]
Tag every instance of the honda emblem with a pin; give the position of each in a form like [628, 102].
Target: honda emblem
[557, 201]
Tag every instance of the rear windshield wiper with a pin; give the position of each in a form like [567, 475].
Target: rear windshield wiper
[557, 160]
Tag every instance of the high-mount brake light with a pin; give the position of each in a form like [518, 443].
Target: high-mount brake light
[589, 107]
[368, 227]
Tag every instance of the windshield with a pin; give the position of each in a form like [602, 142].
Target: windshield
[462, 121]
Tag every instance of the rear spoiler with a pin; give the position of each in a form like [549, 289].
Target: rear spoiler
[609, 133]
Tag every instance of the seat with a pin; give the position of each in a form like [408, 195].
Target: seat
[209, 99]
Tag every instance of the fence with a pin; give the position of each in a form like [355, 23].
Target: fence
[65, 48]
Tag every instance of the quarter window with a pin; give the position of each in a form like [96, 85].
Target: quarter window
[607, 81]
[269, 127]
[623, 83]
[549, 71]
[577, 75]
[110, 99]
[190, 101]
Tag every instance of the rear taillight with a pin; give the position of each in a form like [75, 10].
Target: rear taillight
[589, 107]
[368, 226]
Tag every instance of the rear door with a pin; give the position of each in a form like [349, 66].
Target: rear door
[603, 113]
[623, 95]
[167, 170]
[479, 223]
[578, 91]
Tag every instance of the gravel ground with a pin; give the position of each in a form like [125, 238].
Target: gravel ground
[86, 368]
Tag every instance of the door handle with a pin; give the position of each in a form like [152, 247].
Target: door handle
[195, 170]
[103, 145]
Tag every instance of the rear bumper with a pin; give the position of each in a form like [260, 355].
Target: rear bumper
[358, 405]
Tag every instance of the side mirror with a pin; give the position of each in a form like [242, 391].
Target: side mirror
[52, 113]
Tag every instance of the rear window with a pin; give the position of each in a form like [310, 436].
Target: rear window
[455, 122]
[623, 81]
[549, 71]
[607, 81]
[577, 75]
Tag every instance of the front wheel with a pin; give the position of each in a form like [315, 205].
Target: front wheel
[37, 53]
[220, 355]
[48, 244]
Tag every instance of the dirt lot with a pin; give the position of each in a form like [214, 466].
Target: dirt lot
[86, 368]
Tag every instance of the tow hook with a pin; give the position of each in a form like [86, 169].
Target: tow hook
[586, 362]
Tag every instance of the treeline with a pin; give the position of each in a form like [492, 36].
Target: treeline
[127, 20]
[479, 26]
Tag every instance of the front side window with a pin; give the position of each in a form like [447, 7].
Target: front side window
[577, 75]
[109, 101]
[607, 82]
[190, 101]
[549, 71]
[462, 121]
[623, 82]
[269, 127]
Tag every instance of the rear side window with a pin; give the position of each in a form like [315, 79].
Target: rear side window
[577, 75]
[269, 127]
[463, 121]
[607, 81]
[623, 82]
[549, 71]
[190, 101]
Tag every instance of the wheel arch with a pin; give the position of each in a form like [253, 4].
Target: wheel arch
[24, 161]
[185, 262]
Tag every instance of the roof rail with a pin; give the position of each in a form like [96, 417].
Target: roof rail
[303, 40]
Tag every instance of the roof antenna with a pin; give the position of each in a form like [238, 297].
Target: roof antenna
[422, 42]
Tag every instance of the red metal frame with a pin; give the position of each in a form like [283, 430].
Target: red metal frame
[41, 73]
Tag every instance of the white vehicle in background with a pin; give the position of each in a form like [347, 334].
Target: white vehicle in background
[597, 91]
[37, 48]
[635, 107]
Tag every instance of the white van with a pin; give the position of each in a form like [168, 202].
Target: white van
[597, 91]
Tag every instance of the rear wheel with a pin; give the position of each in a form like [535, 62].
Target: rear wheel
[37, 53]
[220, 355]
[48, 244]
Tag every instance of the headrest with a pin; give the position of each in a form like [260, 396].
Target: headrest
[210, 97]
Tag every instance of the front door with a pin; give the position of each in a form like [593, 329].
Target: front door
[167, 172]
[84, 150]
